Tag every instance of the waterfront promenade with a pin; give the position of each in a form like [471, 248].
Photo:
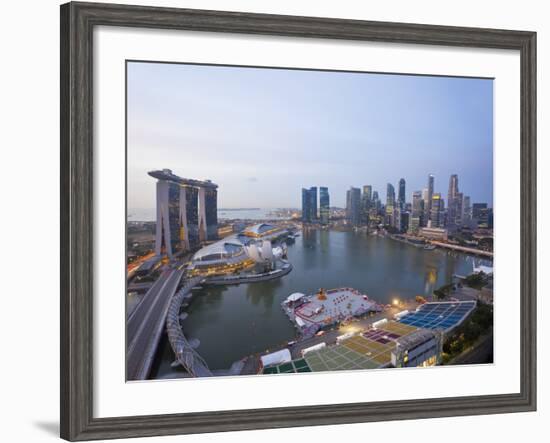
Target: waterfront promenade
[463, 249]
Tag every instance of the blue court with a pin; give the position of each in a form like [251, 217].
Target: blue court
[443, 315]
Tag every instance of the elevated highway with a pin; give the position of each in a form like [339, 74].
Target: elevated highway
[146, 323]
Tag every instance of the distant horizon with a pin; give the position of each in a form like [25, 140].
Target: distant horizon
[264, 134]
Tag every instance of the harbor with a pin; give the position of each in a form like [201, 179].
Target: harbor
[235, 321]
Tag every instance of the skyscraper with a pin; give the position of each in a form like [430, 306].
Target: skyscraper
[436, 213]
[390, 204]
[376, 200]
[401, 195]
[466, 211]
[313, 202]
[208, 214]
[459, 203]
[191, 211]
[182, 221]
[404, 221]
[307, 210]
[374, 211]
[454, 207]
[367, 192]
[481, 214]
[324, 205]
[428, 199]
[417, 213]
[353, 206]
[366, 200]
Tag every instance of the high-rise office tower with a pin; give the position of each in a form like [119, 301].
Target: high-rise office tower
[459, 204]
[313, 200]
[396, 221]
[417, 211]
[367, 192]
[401, 195]
[353, 206]
[466, 211]
[453, 204]
[324, 205]
[480, 214]
[309, 205]
[436, 212]
[376, 201]
[307, 210]
[390, 195]
[390, 204]
[428, 199]
[366, 203]
[404, 221]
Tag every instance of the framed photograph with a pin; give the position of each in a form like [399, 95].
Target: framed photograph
[272, 221]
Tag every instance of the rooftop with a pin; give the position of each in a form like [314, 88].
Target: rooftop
[167, 175]
[439, 315]
[261, 229]
[369, 350]
[228, 247]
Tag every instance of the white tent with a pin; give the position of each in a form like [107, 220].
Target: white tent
[379, 323]
[401, 314]
[294, 297]
[275, 358]
[314, 348]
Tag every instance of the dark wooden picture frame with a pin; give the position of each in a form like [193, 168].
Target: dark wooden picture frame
[77, 23]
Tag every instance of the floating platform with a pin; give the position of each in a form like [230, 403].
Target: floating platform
[310, 313]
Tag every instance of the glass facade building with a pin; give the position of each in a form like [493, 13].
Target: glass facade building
[353, 206]
[309, 205]
[192, 214]
[366, 200]
[211, 211]
[178, 216]
[401, 195]
[428, 199]
[175, 233]
[324, 205]
[436, 214]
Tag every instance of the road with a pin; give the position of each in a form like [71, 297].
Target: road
[481, 352]
[146, 323]
[463, 249]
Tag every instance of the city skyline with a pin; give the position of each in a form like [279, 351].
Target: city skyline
[361, 129]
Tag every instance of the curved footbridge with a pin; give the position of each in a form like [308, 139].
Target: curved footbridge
[184, 349]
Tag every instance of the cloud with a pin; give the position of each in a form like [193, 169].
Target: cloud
[252, 179]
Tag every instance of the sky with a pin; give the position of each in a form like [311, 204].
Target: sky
[264, 134]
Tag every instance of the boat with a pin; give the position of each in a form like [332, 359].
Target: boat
[429, 247]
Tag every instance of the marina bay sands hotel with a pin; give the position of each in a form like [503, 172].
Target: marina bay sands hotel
[187, 213]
